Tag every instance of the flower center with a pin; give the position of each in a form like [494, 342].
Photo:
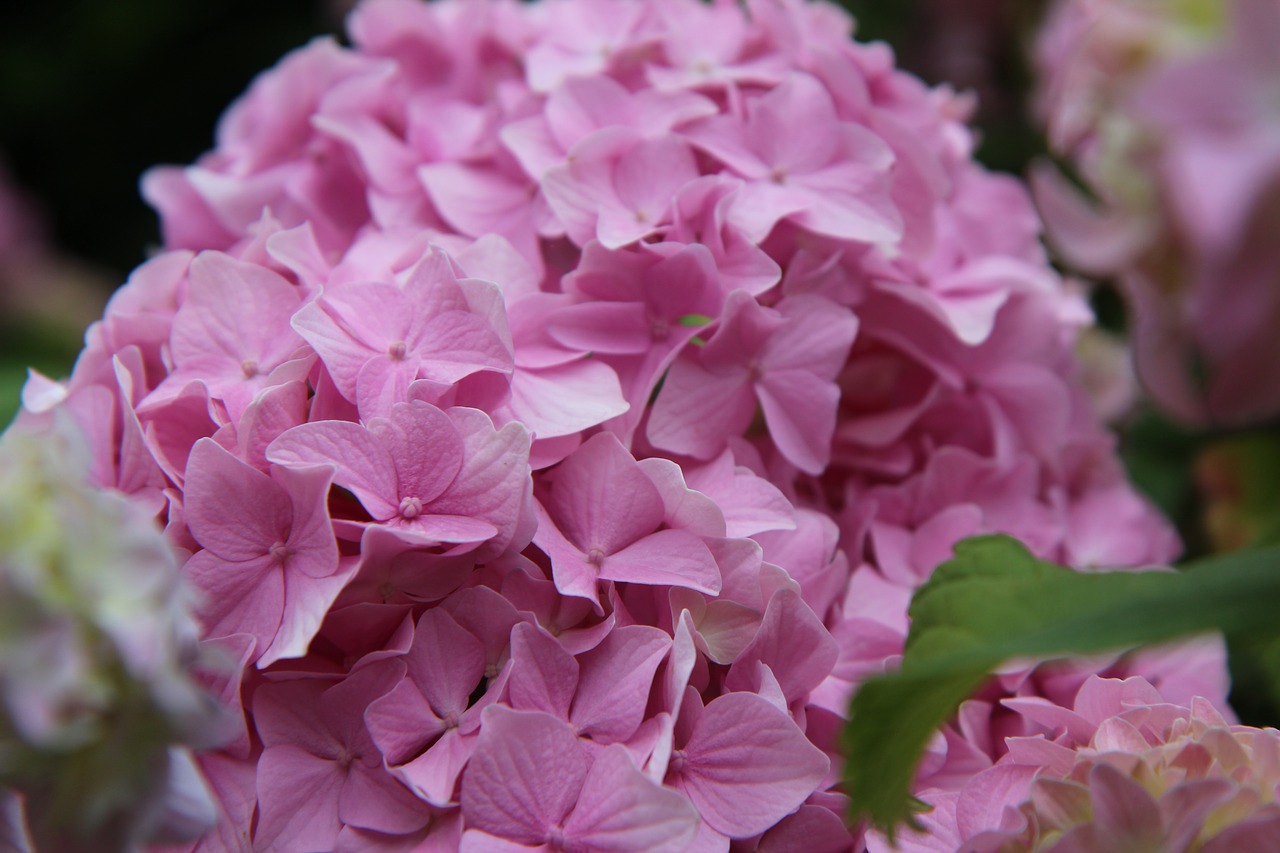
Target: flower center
[280, 552]
[410, 508]
[397, 351]
[676, 764]
[596, 557]
[249, 368]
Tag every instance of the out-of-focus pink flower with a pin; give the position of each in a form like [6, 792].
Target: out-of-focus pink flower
[1169, 115]
[1123, 769]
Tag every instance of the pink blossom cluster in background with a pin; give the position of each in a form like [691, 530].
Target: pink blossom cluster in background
[1122, 770]
[559, 403]
[1169, 113]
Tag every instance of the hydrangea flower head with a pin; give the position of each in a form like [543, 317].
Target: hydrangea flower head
[558, 411]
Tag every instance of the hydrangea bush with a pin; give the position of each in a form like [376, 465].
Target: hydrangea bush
[556, 406]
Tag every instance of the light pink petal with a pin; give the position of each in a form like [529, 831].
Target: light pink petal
[381, 383]
[667, 557]
[601, 499]
[362, 464]
[233, 315]
[446, 662]
[566, 399]
[800, 409]
[298, 797]
[698, 411]
[614, 682]
[306, 601]
[792, 642]
[525, 775]
[572, 573]
[985, 797]
[1124, 813]
[475, 841]
[426, 446]
[233, 509]
[401, 723]
[238, 597]
[275, 410]
[373, 799]
[312, 550]
[816, 337]
[603, 327]
[799, 102]
[544, 677]
[622, 811]
[434, 774]
[493, 484]
[747, 765]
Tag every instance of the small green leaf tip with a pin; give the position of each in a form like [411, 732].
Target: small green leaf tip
[694, 321]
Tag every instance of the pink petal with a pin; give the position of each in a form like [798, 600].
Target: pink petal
[614, 682]
[667, 557]
[298, 797]
[232, 509]
[544, 677]
[525, 775]
[622, 810]
[747, 765]
[601, 499]
[362, 464]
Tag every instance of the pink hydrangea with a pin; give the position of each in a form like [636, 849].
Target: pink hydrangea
[559, 410]
[1168, 113]
[1122, 768]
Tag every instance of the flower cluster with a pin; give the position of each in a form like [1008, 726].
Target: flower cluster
[1122, 769]
[97, 645]
[560, 402]
[1168, 112]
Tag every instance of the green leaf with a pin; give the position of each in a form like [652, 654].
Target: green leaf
[995, 602]
[696, 320]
